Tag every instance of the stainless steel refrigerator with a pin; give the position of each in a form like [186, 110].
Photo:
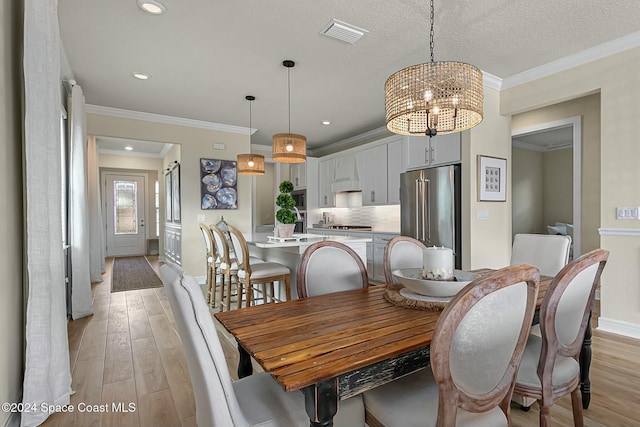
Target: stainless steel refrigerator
[430, 203]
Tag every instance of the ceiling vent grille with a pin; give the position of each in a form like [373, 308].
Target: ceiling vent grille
[343, 31]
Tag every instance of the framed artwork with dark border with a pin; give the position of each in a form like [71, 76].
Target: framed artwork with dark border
[218, 184]
[175, 192]
[492, 179]
[167, 197]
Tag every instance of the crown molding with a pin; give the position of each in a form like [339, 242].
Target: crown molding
[170, 120]
[580, 58]
[130, 153]
[489, 80]
[354, 141]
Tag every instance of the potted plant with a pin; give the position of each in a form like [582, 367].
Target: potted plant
[285, 216]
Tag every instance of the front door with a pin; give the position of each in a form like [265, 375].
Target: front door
[125, 214]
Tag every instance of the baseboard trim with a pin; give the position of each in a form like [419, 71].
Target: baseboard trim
[628, 329]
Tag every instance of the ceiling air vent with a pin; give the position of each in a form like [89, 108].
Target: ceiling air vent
[343, 31]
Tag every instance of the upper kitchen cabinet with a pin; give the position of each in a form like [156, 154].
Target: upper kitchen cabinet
[298, 175]
[373, 163]
[421, 151]
[394, 169]
[326, 196]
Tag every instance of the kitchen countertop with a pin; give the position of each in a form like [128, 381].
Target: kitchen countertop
[374, 231]
[261, 240]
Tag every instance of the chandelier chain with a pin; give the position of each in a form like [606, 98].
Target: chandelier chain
[431, 32]
[289, 92]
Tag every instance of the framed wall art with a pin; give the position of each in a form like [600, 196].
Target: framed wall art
[492, 179]
[218, 184]
[167, 196]
[175, 192]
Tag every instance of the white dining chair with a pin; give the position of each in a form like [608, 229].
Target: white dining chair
[401, 252]
[256, 400]
[212, 264]
[550, 367]
[547, 252]
[476, 348]
[328, 266]
[258, 277]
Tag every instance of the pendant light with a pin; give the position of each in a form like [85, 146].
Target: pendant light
[289, 147]
[250, 164]
[434, 98]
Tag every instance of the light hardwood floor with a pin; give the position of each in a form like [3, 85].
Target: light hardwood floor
[129, 352]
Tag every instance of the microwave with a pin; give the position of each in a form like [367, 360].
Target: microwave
[300, 197]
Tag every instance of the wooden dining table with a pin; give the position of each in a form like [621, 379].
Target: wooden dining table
[335, 346]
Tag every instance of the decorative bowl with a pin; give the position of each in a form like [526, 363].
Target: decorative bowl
[411, 278]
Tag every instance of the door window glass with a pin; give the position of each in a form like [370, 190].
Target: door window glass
[125, 212]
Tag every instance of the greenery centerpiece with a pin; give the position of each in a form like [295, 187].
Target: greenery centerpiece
[285, 215]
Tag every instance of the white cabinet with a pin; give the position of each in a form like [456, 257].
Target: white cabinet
[422, 151]
[379, 243]
[373, 164]
[326, 196]
[298, 175]
[394, 169]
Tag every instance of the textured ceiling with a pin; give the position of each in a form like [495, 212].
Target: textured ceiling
[204, 56]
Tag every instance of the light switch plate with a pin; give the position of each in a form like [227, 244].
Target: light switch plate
[483, 215]
[628, 213]
[201, 218]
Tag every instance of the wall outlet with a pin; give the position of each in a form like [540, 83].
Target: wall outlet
[627, 213]
[201, 218]
[219, 146]
[483, 215]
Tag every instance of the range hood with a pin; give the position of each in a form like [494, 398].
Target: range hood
[346, 178]
[347, 186]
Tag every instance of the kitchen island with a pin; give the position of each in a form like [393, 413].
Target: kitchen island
[289, 252]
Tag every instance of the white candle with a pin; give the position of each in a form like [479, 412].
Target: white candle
[437, 263]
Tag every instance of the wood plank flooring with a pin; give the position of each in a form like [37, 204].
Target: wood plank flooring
[129, 352]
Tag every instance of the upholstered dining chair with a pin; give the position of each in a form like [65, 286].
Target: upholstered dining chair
[256, 400]
[476, 348]
[263, 274]
[547, 252]
[550, 367]
[401, 252]
[212, 263]
[228, 267]
[326, 267]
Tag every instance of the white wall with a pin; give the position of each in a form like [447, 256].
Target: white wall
[614, 77]
[195, 143]
[11, 245]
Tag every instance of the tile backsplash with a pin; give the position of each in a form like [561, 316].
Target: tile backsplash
[349, 211]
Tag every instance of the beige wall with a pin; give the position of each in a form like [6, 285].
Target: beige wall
[589, 108]
[557, 176]
[619, 172]
[528, 191]
[195, 143]
[486, 243]
[265, 199]
[11, 244]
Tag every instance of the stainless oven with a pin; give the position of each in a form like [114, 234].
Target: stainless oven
[300, 197]
[301, 224]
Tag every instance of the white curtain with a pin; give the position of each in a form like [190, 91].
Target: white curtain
[96, 227]
[81, 299]
[47, 378]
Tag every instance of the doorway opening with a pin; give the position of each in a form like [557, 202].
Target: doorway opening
[546, 179]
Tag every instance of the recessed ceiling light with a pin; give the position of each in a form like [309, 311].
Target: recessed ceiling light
[128, 148]
[326, 122]
[152, 6]
[141, 76]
